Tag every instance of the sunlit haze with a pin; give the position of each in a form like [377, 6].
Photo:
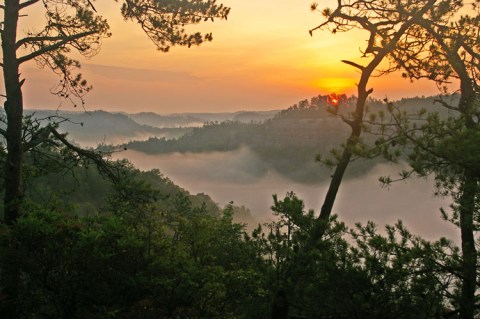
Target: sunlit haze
[261, 58]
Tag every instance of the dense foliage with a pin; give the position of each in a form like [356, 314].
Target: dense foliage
[135, 260]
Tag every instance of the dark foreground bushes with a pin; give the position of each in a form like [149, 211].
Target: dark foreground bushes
[191, 264]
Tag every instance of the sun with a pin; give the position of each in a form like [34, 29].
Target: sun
[333, 99]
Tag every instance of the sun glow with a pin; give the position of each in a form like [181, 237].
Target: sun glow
[335, 84]
[256, 61]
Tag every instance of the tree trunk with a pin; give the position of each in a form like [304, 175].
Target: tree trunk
[468, 190]
[322, 221]
[13, 165]
[366, 72]
[14, 110]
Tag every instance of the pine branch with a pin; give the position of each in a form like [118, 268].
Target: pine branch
[55, 46]
[102, 165]
[35, 39]
[27, 3]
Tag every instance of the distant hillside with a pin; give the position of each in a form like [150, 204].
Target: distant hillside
[92, 128]
[248, 117]
[161, 121]
[198, 119]
[95, 127]
[285, 145]
[288, 143]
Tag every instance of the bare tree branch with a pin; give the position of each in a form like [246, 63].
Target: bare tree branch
[91, 5]
[358, 66]
[446, 105]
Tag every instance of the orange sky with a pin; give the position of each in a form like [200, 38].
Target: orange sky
[261, 58]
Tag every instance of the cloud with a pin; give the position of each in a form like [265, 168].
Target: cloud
[135, 74]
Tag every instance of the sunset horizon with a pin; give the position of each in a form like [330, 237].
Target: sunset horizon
[256, 61]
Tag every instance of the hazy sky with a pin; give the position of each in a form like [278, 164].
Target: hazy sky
[261, 58]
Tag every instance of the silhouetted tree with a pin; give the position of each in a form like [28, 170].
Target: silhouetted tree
[387, 23]
[74, 25]
[454, 52]
[444, 146]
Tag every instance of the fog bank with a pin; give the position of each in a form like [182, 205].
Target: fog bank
[241, 177]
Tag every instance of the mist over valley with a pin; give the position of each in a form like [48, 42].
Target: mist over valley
[239, 176]
[246, 157]
[247, 162]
